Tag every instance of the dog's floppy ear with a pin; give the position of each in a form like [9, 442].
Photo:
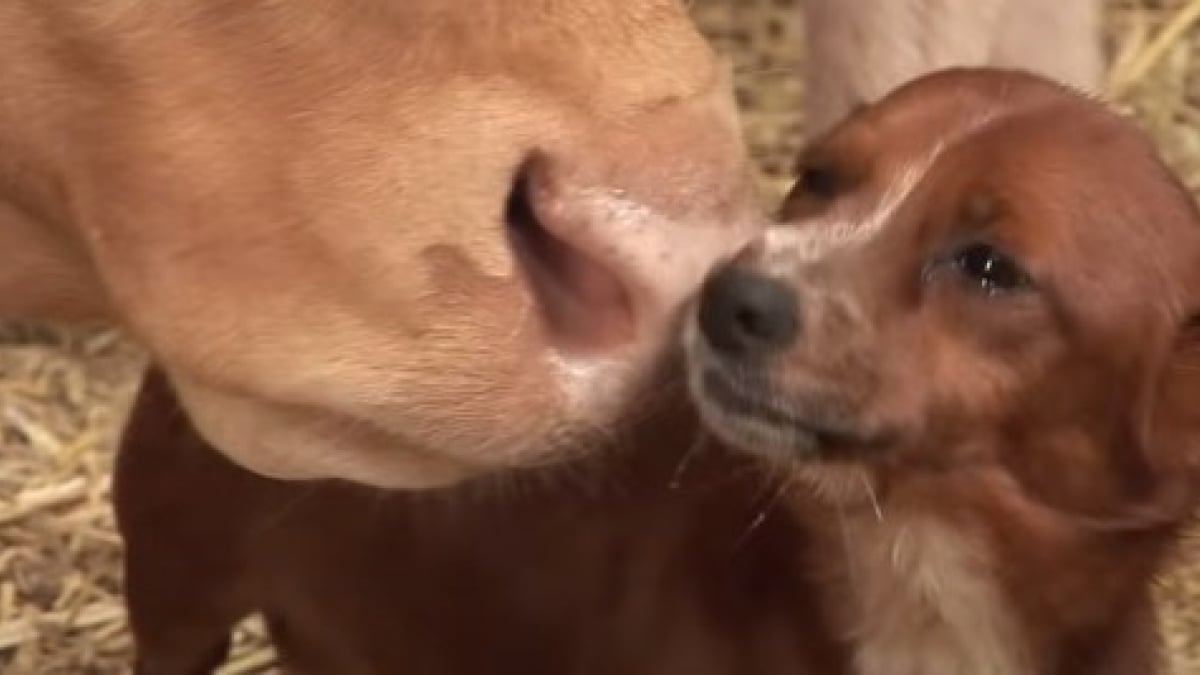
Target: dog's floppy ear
[1156, 450]
[1176, 417]
[1170, 422]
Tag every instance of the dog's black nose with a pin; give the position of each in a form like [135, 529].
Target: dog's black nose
[745, 313]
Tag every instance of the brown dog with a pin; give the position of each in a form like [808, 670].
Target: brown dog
[973, 347]
[980, 409]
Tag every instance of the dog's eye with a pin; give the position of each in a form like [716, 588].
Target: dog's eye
[988, 268]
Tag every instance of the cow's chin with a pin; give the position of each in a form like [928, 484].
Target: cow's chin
[294, 443]
[572, 409]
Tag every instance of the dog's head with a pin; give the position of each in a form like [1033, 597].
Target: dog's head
[983, 269]
[403, 242]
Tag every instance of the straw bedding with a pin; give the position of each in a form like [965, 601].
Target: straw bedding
[64, 393]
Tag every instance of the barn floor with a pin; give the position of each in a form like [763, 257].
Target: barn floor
[63, 393]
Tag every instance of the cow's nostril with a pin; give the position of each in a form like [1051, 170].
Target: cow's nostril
[745, 313]
[585, 305]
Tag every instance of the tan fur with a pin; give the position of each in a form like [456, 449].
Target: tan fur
[299, 208]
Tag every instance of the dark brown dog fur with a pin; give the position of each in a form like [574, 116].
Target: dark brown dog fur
[616, 572]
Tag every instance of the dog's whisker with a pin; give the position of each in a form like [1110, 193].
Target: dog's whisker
[870, 488]
[851, 574]
[761, 517]
[698, 445]
[280, 516]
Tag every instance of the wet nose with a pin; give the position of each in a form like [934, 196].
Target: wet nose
[746, 313]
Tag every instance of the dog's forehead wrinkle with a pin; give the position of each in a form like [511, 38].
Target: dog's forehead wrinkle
[786, 246]
[806, 244]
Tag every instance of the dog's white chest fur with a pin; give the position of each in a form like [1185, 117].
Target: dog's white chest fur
[923, 601]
